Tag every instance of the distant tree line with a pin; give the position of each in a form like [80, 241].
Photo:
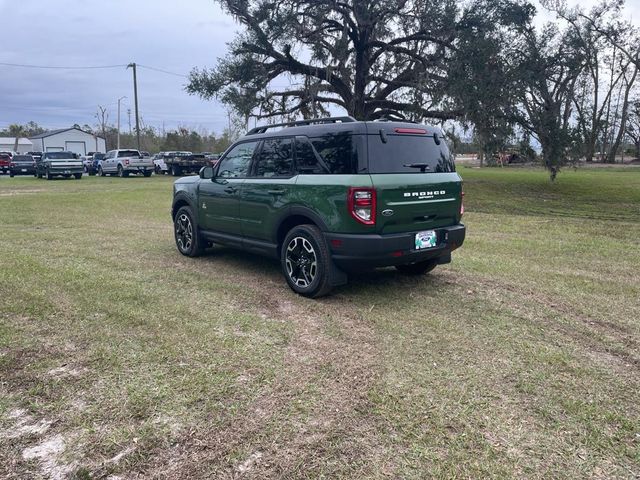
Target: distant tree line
[571, 85]
[151, 139]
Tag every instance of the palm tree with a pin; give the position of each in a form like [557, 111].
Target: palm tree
[16, 131]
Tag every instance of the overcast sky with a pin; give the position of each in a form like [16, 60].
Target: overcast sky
[169, 35]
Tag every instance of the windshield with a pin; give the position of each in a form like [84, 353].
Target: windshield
[409, 154]
[59, 155]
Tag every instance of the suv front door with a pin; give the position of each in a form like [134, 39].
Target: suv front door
[218, 197]
[264, 194]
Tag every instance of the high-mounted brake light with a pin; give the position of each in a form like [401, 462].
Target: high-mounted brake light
[412, 131]
[362, 204]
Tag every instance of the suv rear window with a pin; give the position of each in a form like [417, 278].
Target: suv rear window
[401, 150]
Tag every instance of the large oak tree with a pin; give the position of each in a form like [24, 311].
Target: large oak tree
[372, 58]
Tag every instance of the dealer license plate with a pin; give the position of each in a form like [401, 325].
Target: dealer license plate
[23, 170]
[426, 239]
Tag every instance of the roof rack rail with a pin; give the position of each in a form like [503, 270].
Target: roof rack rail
[297, 123]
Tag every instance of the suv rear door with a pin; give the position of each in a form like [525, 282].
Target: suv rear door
[414, 177]
[265, 192]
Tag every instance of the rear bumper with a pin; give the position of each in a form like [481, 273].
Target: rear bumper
[365, 252]
[23, 170]
[65, 170]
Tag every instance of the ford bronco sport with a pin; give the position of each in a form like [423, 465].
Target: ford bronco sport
[326, 197]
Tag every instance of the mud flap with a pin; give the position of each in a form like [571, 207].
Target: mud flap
[446, 258]
[337, 277]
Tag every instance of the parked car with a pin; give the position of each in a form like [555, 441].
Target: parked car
[158, 163]
[124, 162]
[22, 165]
[36, 155]
[327, 197]
[63, 164]
[92, 167]
[5, 162]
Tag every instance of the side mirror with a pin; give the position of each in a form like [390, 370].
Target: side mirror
[206, 172]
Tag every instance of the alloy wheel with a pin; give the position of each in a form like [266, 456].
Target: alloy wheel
[301, 262]
[184, 232]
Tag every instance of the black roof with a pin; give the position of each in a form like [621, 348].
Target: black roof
[61, 130]
[323, 126]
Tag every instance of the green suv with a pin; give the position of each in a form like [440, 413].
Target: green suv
[327, 197]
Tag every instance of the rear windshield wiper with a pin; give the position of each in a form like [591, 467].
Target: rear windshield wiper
[422, 166]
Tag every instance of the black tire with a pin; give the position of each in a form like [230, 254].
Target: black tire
[78, 176]
[121, 172]
[418, 268]
[101, 172]
[49, 176]
[305, 261]
[147, 173]
[185, 230]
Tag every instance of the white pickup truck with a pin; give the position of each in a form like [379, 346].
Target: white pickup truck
[123, 162]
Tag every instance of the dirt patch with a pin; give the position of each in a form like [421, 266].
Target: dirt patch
[48, 455]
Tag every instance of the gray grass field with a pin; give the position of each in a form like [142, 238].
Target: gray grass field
[119, 357]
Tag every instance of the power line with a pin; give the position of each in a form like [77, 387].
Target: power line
[57, 67]
[163, 71]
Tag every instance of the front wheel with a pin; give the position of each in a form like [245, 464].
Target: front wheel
[306, 261]
[418, 268]
[186, 233]
[49, 176]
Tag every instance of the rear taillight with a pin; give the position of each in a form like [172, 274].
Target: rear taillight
[126, 162]
[362, 204]
[462, 204]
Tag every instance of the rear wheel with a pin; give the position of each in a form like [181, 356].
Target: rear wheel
[188, 239]
[418, 268]
[121, 172]
[306, 261]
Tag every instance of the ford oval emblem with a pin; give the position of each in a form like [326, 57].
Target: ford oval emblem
[387, 213]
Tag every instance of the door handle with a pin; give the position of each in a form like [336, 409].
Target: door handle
[276, 191]
[230, 189]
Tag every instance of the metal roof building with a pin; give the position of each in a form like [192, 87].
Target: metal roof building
[7, 143]
[70, 140]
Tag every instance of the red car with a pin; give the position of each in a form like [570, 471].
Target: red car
[5, 162]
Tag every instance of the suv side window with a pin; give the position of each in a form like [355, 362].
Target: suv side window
[307, 159]
[275, 158]
[236, 163]
[337, 152]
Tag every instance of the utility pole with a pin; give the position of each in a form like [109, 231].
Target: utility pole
[135, 95]
[129, 115]
[119, 120]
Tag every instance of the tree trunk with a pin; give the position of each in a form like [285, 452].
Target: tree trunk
[623, 118]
